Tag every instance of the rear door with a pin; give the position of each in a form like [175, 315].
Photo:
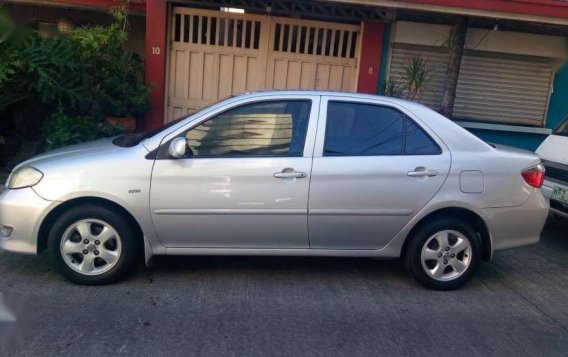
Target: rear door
[374, 167]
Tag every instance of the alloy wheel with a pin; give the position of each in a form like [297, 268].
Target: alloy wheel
[90, 247]
[446, 255]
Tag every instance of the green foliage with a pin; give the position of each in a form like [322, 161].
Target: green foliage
[83, 77]
[416, 74]
[63, 130]
[35, 79]
[411, 82]
[454, 40]
[115, 76]
[392, 88]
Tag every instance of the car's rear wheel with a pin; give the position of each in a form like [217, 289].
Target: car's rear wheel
[443, 254]
[92, 245]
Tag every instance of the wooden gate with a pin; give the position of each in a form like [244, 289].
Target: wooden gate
[214, 54]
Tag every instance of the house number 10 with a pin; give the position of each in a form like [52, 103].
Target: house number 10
[155, 50]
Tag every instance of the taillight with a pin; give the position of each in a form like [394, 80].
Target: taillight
[534, 176]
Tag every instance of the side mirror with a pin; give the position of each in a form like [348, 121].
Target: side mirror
[178, 148]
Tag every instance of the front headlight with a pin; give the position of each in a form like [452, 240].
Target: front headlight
[24, 177]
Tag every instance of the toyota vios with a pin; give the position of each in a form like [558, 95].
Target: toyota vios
[280, 173]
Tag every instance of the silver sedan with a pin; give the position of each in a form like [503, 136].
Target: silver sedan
[280, 173]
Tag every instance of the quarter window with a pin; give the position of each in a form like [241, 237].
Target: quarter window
[272, 128]
[358, 129]
[417, 142]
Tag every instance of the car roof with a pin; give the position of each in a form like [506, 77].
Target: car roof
[454, 136]
[402, 102]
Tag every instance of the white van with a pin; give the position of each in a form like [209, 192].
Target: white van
[554, 154]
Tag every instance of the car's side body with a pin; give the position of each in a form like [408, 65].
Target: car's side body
[341, 206]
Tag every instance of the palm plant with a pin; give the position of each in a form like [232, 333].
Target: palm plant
[411, 81]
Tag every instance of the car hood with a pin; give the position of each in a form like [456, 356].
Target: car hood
[72, 152]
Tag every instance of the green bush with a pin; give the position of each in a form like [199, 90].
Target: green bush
[114, 77]
[83, 77]
[63, 130]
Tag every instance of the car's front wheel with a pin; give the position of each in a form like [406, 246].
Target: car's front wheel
[92, 245]
[443, 254]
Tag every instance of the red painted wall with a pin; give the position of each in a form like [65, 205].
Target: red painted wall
[155, 59]
[370, 58]
[552, 8]
[133, 5]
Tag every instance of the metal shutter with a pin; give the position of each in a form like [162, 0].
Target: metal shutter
[503, 88]
[492, 87]
[437, 61]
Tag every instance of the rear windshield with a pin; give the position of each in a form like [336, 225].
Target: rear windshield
[562, 129]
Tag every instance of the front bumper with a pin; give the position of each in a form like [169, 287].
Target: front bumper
[557, 207]
[511, 227]
[22, 210]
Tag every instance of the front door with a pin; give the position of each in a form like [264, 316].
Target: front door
[374, 167]
[244, 183]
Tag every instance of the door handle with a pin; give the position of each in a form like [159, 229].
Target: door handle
[422, 172]
[290, 173]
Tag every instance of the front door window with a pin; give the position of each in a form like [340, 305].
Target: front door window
[272, 128]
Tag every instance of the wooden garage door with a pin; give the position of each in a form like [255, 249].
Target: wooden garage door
[215, 54]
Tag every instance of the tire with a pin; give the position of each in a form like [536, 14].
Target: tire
[93, 245]
[439, 263]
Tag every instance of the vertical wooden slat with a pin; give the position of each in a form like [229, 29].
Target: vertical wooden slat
[182, 28]
[173, 28]
[316, 41]
[298, 38]
[235, 31]
[281, 43]
[294, 75]
[289, 44]
[226, 32]
[200, 29]
[208, 34]
[280, 74]
[322, 76]
[348, 50]
[225, 75]
[196, 75]
[244, 34]
[340, 43]
[308, 76]
[217, 32]
[332, 43]
[335, 77]
[208, 74]
[324, 42]
[190, 28]
[252, 33]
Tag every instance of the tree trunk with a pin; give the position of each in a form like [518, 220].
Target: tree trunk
[455, 44]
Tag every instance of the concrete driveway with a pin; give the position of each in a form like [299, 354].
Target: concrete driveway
[251, 306]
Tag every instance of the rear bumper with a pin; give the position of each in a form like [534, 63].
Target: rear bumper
[511, 227]
[22, 211]
[557, 207]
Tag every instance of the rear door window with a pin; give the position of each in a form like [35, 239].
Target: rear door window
[360, 129]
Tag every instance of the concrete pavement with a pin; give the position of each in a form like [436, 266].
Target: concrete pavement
[257, 306]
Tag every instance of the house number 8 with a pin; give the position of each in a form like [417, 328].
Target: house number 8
[155, 50]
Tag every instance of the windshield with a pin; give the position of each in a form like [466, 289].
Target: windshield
[562, 129]
[130, 140]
